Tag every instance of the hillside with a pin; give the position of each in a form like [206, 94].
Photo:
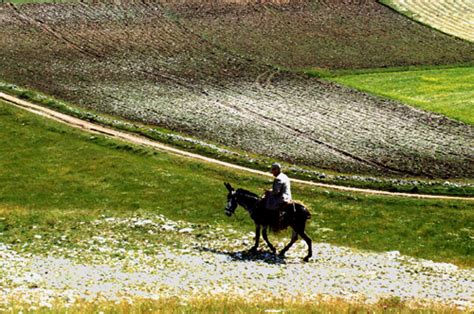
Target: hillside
[337, 34]
[141, 62]
[105, 221]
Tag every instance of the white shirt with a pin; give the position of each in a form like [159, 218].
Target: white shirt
[282, 185]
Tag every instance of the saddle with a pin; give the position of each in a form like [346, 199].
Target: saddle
[288, 207]
[284, 214]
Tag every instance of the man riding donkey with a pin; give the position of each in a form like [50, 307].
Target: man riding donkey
[279, 196]
[275, 210]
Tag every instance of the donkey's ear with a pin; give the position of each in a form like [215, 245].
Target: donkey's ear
[228, 186]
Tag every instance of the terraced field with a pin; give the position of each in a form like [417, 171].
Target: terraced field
[452, 17]
[138, 61]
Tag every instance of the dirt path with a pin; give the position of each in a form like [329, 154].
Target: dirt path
[98, 129]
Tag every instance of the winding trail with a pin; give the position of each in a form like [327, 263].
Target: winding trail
[134, 139]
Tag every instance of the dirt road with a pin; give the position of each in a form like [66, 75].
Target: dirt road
[134, 139]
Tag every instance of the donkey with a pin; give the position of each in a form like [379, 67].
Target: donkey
[294, 216]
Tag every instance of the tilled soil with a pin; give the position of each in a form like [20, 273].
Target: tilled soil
[213, 261]
[334, 34]
[140, 62]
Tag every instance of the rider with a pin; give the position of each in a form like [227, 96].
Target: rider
[281, 190]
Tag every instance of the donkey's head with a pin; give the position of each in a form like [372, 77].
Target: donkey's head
[231, 200]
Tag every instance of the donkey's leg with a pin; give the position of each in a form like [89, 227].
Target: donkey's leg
[265, 237]
[308, 242]
[294, 237]
[257, 239]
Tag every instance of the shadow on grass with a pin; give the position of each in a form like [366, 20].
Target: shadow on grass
[247, 255]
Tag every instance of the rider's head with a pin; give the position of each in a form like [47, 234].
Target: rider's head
[276, 169]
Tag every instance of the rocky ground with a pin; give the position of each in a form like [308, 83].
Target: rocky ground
[195, 260]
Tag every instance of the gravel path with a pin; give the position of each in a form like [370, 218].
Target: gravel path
[218, 266]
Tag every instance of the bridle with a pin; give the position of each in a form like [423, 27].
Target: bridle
[231, 204]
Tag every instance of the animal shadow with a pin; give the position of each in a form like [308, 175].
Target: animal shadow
[247, 255]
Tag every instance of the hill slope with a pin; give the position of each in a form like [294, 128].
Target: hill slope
[334, 34]
[138, 62]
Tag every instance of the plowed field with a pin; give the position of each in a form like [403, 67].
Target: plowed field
[336, 34]
[140, 62]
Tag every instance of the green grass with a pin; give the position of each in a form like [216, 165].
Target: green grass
[446, 91]
[461, 188]
[53, 175]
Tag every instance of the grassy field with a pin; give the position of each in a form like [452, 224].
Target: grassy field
[56, 181]
[51, 173]
[446, 91]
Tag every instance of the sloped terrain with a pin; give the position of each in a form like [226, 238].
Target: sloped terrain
[452, 17]
[337, 34]
[138, 61]
[102, 221]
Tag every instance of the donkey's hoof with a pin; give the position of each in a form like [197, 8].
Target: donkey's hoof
[306, 259]
[282, 254]
[253, 250]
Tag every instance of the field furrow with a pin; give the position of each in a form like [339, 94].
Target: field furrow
[139, 62]
[433, 14]
[327, 34]
[452, 17]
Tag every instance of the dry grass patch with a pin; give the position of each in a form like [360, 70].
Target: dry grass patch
[451, 17]
[226, 304]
